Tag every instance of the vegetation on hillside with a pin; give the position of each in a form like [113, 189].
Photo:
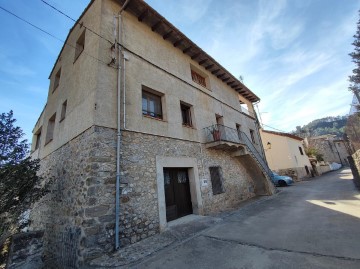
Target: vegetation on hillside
[327, 125]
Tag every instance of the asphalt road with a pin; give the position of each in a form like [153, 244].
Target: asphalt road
[312, 224]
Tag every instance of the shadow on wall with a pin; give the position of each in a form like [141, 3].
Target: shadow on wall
[354, 162]
[262, 185]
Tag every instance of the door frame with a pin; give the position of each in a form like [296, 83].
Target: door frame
[195, 193]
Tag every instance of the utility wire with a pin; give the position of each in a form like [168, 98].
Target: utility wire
[31, 24]
[81, 24]
[53, 36]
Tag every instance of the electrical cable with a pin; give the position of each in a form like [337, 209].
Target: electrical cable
[53, 36]
[81, 24]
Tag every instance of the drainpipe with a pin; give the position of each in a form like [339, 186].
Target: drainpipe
[118, 142]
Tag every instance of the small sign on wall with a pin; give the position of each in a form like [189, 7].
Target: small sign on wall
[204, 182]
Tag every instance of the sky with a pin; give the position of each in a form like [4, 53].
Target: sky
[293, 54]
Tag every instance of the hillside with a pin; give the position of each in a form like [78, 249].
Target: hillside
[327, 125]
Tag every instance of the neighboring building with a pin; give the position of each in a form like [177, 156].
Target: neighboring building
[186, 144]
[333, 150]
[285, 154]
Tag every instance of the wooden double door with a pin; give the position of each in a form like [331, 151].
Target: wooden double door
[177, 193]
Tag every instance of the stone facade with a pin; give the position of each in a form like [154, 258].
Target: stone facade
[354, 161]
[26, 251]
[78, 162]
[78, 215]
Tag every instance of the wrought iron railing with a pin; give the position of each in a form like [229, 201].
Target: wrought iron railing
[218, 132]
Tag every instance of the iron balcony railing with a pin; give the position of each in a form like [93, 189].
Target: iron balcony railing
[218, 132]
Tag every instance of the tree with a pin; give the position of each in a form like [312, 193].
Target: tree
[17, 174]
[355, 55]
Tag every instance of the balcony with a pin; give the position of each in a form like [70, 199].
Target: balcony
[222, 137]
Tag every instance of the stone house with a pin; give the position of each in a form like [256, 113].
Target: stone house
[141, 127]
[285, 154]
[333, 150]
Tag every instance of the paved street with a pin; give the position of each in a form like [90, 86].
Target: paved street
[313, 224]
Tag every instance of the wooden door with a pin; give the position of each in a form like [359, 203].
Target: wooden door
[177, 193]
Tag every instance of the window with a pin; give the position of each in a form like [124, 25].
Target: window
[252, 134]
[216, 180]
[38, 138]
[238, 129]
[186, 114]
[80, 45]
[199, 79]
[57, 79]
[301, 151]
[151, 104]
[63, 110]
[50, 129]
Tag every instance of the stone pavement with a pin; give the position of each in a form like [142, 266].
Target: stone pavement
[313, 224]
[178, 231]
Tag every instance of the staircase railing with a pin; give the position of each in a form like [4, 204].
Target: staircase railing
[256, 154]
[218, 132]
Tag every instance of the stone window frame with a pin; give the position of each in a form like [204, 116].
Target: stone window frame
[57, 79]
[50, 129]
[187, 114]
[194, 181]
[63, 111]
[199, 77]
[155, 96]
[80, 45]
[37, 138]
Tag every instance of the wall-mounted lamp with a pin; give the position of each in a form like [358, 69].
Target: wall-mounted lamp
[268, 145]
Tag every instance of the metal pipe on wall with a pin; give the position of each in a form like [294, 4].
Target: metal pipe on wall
[118, 142]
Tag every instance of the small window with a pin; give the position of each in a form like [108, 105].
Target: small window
[216, 180]
[57, 79]
[186, 114]
[50, 129]
[80, 45]
[238, 129]
[63, 110]
[301, 151]
[252, 134]
[38, 138]
[151, 104]
[199, 79]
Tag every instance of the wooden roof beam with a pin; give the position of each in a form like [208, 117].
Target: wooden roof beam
[220, 76]
[195, 55]
[143, 15]
[177, 43]
[167, 35]
[209, 67]
[215, 71]
[156, 25]
[187, 49]
[203, 61]
[225, 79]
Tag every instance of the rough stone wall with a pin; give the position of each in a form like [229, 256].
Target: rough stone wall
[327, 148]
[296, 173]
[26, 251]
[139, 153]
[78, 215]
[354, 162]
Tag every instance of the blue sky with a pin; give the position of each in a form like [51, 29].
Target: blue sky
[293, 54]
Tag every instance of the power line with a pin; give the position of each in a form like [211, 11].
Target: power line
[274, 128]
[81, 24]
[53, 36]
